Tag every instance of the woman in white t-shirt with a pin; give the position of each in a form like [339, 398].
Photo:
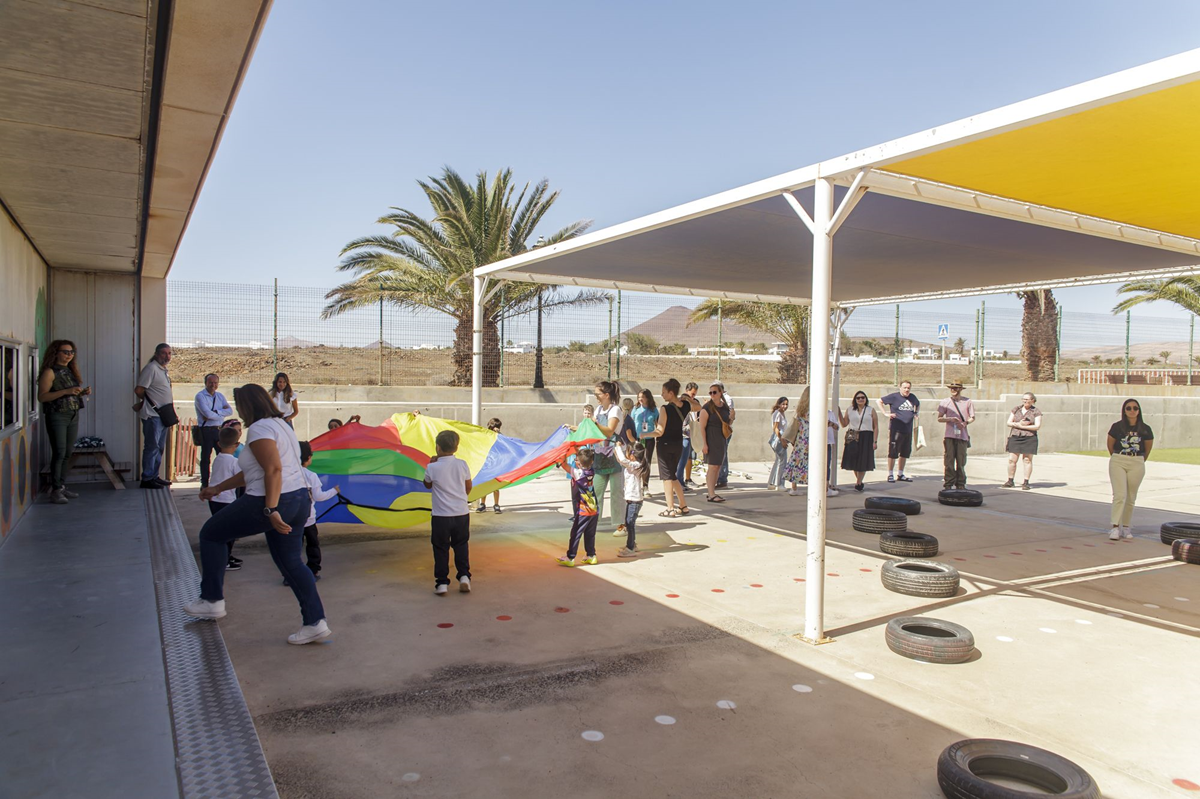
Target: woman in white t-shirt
[276, 502]
[608, 472]
[284, 398]
[778, 443]
[859, 453]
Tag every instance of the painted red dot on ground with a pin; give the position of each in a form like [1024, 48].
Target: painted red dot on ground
[1089, 545]
[1041, 550]
[832, 574]
[798, 579]
[672, 596]
[616, 602]
[1068, 547]
[1187, 785]
[960, 559]
[1014, 553]
[562, 610]
[718, 590]
[756, 585]
[504, 618]
[445, 625]
[990, 556]
[864, 570]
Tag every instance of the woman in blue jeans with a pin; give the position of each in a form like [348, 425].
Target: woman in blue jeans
[61, 392]
[276, 503]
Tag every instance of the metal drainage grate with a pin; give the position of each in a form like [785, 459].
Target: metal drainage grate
[218, 753]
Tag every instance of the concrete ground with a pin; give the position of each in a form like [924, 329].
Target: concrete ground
[685, 660]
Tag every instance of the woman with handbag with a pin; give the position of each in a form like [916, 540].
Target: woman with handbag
[796, 470]
[715, 428]
[608, 416]
[778, 444]
[862, 435]
[61, 392]
[1024, 422]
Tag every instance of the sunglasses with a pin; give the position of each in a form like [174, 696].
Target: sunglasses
[713, 393]
[1132, 408]
[66, 352]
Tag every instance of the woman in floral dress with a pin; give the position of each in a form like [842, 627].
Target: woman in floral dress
[796, 470]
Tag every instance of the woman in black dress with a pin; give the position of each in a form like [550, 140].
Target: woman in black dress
[712, 415]
[862, 434]
[672, 418]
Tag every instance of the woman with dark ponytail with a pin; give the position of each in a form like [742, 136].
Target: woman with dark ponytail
[1129, 443]
[607, 416]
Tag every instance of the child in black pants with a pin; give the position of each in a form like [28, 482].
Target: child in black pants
[449, 482]
[583, 497]
[312, 544]
[224, 466]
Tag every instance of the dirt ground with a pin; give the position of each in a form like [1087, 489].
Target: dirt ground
[359, 366]
[678, 674]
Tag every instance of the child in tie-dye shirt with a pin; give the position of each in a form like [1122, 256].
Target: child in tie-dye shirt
[583, 498]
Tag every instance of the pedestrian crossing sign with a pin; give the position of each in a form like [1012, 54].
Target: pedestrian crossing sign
[943, 331]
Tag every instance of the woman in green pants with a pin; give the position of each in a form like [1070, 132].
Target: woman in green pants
[61, 392]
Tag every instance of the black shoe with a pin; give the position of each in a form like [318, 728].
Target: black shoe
[317, 577]
[859, 487]
[162, 482]
[231, 566]
[722, 485]
[1008, 484]
[232, 559]
[285, 582]
[1025, 486]
[904, 478]
[149, 484]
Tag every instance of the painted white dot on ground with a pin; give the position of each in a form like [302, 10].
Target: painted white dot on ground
[505, 758]
[1182, 599]
[1150, 605]
[411, 776]
[1048, 629]
[800, 688]
[665, 719]
[1082, 621]
[726, 704]
[1004, 638]
[593, 735]
[864, 675]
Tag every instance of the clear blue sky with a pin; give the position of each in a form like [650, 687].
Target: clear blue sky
[626, 107]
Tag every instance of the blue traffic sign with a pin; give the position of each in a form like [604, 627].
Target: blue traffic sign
[943, 331]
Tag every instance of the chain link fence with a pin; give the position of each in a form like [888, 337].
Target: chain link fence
[247, 332]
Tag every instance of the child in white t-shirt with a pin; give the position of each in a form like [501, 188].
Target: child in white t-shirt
[633, 460]
[312, 544]
[224, 466]
[449, 482]
[493, 425]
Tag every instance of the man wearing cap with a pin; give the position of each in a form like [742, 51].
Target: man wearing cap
[956, 412]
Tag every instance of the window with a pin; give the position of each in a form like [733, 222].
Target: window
[10, 407]
[34, 373]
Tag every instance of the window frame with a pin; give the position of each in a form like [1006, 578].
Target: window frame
[18, 399]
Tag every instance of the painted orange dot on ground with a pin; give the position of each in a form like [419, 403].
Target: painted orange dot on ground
[756, 585]
[989, 556]
[960, 558]
[445, 625]
[798, 579]
[1041, 550]
[1014, 553]
[615, 602]
[672, 596]
[1068, 547]
[1089, 545]
[504, 618]
[1187, 785]
[832, 574]
[864, 570]
[562, 610]
[718, 590]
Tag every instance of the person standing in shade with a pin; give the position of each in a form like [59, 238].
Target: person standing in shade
[211, 411]
[683, 472]
[902, 408]
[1024, 423]
[61, 392]
[154, 391]
[862, 435]
[276, 503]
[645, 421]
[285, 398]
[778, 444]
[607, 472]
[1129, 443]
[715, 417]
[723, 477]
[956, 412]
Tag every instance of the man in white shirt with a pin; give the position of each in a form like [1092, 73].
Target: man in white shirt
[153, 390]
[211, 410]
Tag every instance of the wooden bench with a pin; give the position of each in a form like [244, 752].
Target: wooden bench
[101, 456]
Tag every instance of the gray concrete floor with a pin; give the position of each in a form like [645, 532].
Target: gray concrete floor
[1081, 644]
[83, 697]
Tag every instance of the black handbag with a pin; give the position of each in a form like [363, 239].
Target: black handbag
[197, 438]
[166, 414]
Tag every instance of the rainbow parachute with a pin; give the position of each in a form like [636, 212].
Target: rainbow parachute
[380, 469]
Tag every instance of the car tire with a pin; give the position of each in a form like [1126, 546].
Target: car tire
[930, 640]
[908, 544]
[1186, 550]
[867, 520]
[963, 769]
[1173, 531]
[926, 578]
[960, 497]
[909, 507]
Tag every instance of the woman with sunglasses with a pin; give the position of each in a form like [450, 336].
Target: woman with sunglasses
[713, 415]
[862, 434]
[61, 392]
[1129, 443]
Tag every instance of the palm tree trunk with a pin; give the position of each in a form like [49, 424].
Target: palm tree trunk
[538, 382]
[1039, 334]
[793, 364]
[464, 346]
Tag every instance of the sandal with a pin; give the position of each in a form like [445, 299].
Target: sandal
[684, 510]
[670, 513]
[716, 498]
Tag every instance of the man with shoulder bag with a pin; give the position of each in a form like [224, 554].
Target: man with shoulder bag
[956, 412]
[156, 409]
[211, 410]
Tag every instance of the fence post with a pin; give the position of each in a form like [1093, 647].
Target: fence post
[618, 335]
[1191, 343]
[896, 349]
[1128, 324]
[275, 333]
[503, 341]
[720, 330]
[1058, 343]
[609, 341]
[381, 340]
[978, 351]
[982, 336]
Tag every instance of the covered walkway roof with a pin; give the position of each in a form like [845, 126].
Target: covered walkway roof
[1093, 183]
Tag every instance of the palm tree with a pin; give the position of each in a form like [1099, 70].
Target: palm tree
[428, 263]
[960, 345]
[1039, 334]
[1182, 291]
[1165, 355]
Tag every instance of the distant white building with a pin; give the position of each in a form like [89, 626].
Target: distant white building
[711, 352]
[524, 348]
[778, 348]
[986, 353]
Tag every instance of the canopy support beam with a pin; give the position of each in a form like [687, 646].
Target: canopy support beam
[800, 212]
[480, 288]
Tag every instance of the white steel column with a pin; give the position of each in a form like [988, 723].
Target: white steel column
[477, 351]
[835, 394]
[818, 408]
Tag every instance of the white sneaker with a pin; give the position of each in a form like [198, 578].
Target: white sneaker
[1115, 535]
[833, 492]
[309, 633]
[1126, 532]
[464, 585]
[203, 609]
[441, 589]
[771, 487]
[619, 532]
[57, 497]
[69, 494]
[792, 492]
